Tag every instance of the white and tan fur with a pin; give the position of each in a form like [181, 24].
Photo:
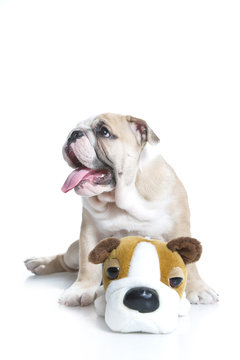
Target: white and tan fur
[148, 199]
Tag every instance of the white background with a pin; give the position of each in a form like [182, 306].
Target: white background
[174, 64]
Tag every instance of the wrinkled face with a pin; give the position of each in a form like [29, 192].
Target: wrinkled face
[144, 286]
[103, 148]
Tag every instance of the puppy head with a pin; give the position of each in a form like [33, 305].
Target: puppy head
[101, 149]
[144, 281]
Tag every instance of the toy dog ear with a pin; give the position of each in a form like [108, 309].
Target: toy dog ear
[103, 249]
[142, 131]
[190, 249]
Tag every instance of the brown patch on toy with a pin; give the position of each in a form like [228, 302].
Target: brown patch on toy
[103, 249]
[190, 249]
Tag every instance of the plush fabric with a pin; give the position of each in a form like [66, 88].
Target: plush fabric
[141, 297]
[103, 250]
[188, 248]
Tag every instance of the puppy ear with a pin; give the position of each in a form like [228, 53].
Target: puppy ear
[190, 249]
[103, 249]
[142, 131]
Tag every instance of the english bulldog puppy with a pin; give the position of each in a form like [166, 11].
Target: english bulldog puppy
[144, 282]
[126, 190]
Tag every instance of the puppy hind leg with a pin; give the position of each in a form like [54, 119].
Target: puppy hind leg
[71, 256]
[57, 263]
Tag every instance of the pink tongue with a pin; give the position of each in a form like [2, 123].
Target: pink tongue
[74, 179]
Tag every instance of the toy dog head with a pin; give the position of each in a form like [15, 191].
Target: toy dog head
[144, 281]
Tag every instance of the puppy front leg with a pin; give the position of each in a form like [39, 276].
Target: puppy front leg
[83, 290]
[197, 291]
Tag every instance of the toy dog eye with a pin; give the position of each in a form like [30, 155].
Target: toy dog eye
[175, 281]
[112, 272]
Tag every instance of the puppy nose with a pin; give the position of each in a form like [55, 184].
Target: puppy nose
[142, 299]
[74, 136]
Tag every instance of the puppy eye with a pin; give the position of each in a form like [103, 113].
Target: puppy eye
[112, 272]
[175, 281]
[104, 132]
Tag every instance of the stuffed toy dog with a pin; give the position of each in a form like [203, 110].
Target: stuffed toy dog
[144, 282]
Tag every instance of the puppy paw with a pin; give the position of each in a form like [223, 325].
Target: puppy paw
[198, 292]
[39, 266]
[78, 294]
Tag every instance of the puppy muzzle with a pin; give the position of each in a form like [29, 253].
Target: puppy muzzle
[79, 150]
[77, 134]
[91, 175]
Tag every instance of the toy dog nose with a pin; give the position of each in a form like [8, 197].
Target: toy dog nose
[142, 299]
[74, 136]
